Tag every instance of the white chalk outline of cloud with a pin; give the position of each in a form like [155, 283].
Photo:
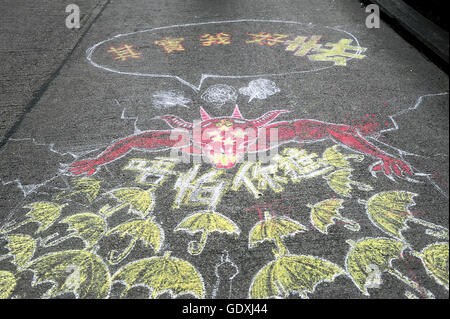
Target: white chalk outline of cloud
[249, 89]
[165, 102]
[219, 101]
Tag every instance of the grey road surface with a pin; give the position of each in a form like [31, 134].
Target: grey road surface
[100, 196]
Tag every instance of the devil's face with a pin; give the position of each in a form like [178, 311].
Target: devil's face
[224, 140]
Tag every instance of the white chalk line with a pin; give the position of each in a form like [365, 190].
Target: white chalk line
[402, 153]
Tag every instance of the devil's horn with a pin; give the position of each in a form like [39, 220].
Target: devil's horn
[176, 122]
[236, 113]
[268, 117]
[205, 116]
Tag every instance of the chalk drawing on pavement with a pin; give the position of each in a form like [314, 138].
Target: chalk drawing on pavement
[95, 211]
[168, 99]
[259, 89]
[219, 94]
[281, 277]
[148, 232]
[366, 253]
[230, 131]
[124, 52]
[435, 260]
[341, 48]
[225, 272]
[389, 211]
[160, 275]
[326, 213]
[87, 273]
[206, 223]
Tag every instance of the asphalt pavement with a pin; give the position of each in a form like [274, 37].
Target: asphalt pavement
[100, 196]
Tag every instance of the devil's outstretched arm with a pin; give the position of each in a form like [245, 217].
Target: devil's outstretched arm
[310, 130]
[149, 140]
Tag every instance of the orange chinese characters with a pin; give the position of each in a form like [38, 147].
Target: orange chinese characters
[220, 38]
[264, 38]
[171, 44]
[124, 52]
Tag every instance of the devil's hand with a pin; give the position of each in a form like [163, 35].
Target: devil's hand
[391, 165]
[90, 166]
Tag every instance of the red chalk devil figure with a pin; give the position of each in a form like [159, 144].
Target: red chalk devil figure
[225, 140]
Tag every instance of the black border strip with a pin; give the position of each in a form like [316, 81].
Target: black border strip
[423, 34]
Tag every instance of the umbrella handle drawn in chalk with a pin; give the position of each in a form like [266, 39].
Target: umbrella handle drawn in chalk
[107, 210]
[13, 225]
[362, 186]
[195, 247]
[348, 223]
[432, 229]
[356, 157]
[374, 280]
[47, 241]
[115, 257]
[411, 283]
[50, 240]
[281, 249]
